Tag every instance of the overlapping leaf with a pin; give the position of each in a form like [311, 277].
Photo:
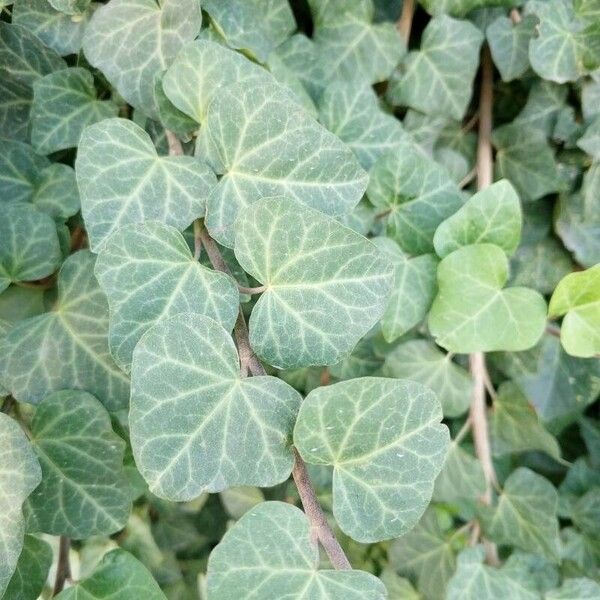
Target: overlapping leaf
[461, 478]
[31, 571]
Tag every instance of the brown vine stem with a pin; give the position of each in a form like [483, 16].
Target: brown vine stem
[404, 23]
[63, 569]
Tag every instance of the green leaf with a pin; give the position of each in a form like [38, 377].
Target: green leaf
[413, 290]
[123, 180]
[15, 104]
[461, 478]
[270, 553]
[385, 442]
[325, 285]
[416, 195]
[196, 425]
[438, 78]
[328, 11]
[258, 26]
[64, 104]
[580, 588]
[577, 297]
[586, 513]
[492, 216]
[352, 112]
[515, 426]
[20, 474]
[294, 157]
[526, 515]
[29, 248]
[544, 103]
[422, 361]
[509, 45]
[70, 7]
[31, 571]
[149, 274]
[131, 41]
[83, 490]
[398, 588]
[472, 313]
[66, 347]
[119, 576]
[238, 501]
[590, 141]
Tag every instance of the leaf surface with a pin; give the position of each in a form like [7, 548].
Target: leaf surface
[31, 571]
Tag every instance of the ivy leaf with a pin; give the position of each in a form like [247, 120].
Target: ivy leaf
[294, 156]
[258, 26]
[385, 442]
[492, 216]
[586, 512]
[544, 103]
[123, 180]
[20, 474]
[149, 274]
[15, 104]
[579, 588]
[422, 361]
[526, 515]
[64, 104]
[196, 425]
[83, 490]
[509, 45]
[31, 571]
[416, 194]
[66, 347]
[590, 141]
[131, 41]
[119, 576]
[438, 78]
[577, 297]
[461, 478]
[413, 290]
[325, 285]
[472, 313]
[29, 248]
[271, 553]
[70, 7]
[328, 11]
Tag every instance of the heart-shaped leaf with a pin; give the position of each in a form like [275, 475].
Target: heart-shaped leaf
[461, 479]
[270, 553]
[509, 45]
[149, 274]
[386, 444]
[472, 313]
[196, 425]
[31, 571]
[123, 180]
[66, 348]
[325, 285]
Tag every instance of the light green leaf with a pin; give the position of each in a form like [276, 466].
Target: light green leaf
[20, 474]
[294, 156]
[526, 515]
[131, 41]
[70, 7]
[258, 26]
[31, 571]
[149, 274]
[64, 104]
[416, 195]
[398, 588]
[66, 347]
[586, 513]
[325, 285]
[422, 361]
[590, 141]
[580, 588]
[196, 425]
[239, 500]
[352, 112]
[123, 180]
[29, 248]
[577, 297]
[413, 290]
[509, 45]
[328, 11]
[492, 216]
[83, 490]
[438, 78]
[119, 576]
[461, 478]
[544, 103]
[385, 442]
[515, 426]
[270, 553]
[472, 313]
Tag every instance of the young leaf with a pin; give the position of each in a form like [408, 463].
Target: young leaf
[66, 347]
[20, 474]
[270, 553]
[577, 297]
[196, 425]
[492, 216]
[509, 45]
[83, 490]
[384, 439]
[325, 285]
[149, 274]
[31, 571]
[294, 156]
[472, 313]
[123, 180]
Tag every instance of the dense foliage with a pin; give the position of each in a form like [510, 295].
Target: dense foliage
[300, 300]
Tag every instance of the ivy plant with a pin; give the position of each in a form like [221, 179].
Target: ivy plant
[300, 299]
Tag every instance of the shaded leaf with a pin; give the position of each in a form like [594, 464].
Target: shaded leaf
[461, 478]
[31, 571]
